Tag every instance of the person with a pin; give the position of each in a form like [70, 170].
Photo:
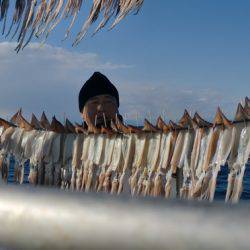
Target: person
[99, 101]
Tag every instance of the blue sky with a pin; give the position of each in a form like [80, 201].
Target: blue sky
[172, 55]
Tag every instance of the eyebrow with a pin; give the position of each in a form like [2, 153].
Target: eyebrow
[109, 96]
[93, 99]
[105, 96]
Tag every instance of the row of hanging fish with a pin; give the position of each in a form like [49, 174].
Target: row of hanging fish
[172, 160]
[40, 17]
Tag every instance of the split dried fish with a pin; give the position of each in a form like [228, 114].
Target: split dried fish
[154, 160]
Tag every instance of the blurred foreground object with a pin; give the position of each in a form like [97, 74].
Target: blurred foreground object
[48, 219]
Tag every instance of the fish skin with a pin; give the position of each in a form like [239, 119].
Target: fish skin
[47, 17]
[54, 17]
[17, 14]
[21, 8]
[76, 160]
[25, 25]
[57, 154]
[38, 18]
[107, 162]
[195, 152]
[232, 158]
[184, 175]
[203, 182]
[45, 122]
[141, 146]
[54, 12]
[165, 155]
[109, 11]
[95, 9]
[74, 7]
[224, 147]
[76, 12]
[211, 148]
[152, 160]
[43, 26]
[199, 173]
[239, 166]
[4, 11]
[128, 153]
[88, 146]
[177, 152]
[95, 158]
[125, 9]
[35, 123]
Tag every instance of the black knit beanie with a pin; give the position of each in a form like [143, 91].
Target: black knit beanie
[98, 84]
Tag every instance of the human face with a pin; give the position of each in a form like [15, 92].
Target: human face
[100, 108]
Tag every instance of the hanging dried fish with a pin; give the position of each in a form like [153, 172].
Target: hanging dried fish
[75, 10]
[43, 16]
[127, 152]
[240, 117]
[125, 8]
[53, 17]
[240, 164]
[167, 144]
[174, 162]
[67, 155]
[141, 145]
[151, 157]
[96, 158]
[19, 9]
[198, 151]
[130, 159]
[94, 13]
[4, 10]
[35, 123]
[110, 8]
[76, 160]
[29, 13]
[38, 18]
[225, 143]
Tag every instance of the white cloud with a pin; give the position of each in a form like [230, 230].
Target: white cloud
[46, 78]
[170, 101]
[49, 78]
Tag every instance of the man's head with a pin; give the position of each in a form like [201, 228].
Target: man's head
[98, 100]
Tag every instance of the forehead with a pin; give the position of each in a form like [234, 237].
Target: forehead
[102, 98]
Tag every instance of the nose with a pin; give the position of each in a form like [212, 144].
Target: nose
[100, 107]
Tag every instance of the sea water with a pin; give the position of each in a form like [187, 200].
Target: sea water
[221, 186]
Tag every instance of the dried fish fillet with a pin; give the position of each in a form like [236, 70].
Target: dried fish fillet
[174, 162]
[67, 155]
[76, 160]
[239, 166]
[152, 158]
[141, 145]
[224, 146]
[128, 147]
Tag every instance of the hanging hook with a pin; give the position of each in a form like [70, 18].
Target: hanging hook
[116, 118]
[104, 118]
[95, 120]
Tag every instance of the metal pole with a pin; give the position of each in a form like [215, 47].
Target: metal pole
[48, 218]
